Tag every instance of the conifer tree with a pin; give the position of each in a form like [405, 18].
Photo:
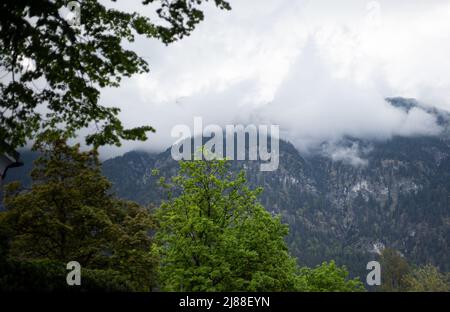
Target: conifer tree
[69, 214]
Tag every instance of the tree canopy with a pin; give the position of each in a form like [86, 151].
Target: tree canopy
[327, 277]
[52, 73]
[69, 214]
[214, 235]
[399, 275]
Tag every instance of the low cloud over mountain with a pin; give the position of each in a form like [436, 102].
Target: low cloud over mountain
[319, 69]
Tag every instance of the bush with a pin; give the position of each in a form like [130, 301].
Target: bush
[327, 278]
[48, 276]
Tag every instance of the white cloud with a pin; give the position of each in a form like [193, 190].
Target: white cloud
[320, 69]
[349, 155]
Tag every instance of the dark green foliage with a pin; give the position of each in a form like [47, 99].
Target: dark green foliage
[214, 235]
[69, 214]
[71, 64]
[427, 279]
[398, 275]
[406, 204]
[47, 276]
[394, 270]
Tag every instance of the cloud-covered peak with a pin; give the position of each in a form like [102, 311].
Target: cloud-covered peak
[319, 69]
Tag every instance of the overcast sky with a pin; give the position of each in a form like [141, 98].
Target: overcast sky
[319, 69]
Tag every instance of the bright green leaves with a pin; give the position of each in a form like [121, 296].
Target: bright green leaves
[327, 277]
[214, 235]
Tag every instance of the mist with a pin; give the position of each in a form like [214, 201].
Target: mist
[320, 71]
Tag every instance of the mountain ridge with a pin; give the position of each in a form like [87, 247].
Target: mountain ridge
[340, 202]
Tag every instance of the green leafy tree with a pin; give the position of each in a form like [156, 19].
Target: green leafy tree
[394, 268]
[398, 275]
[327, 277]
[69, 214]
[426, 278]
[214, 235]
[48, 276]
[52, 72]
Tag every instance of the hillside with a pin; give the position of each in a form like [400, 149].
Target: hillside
[340, 202]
